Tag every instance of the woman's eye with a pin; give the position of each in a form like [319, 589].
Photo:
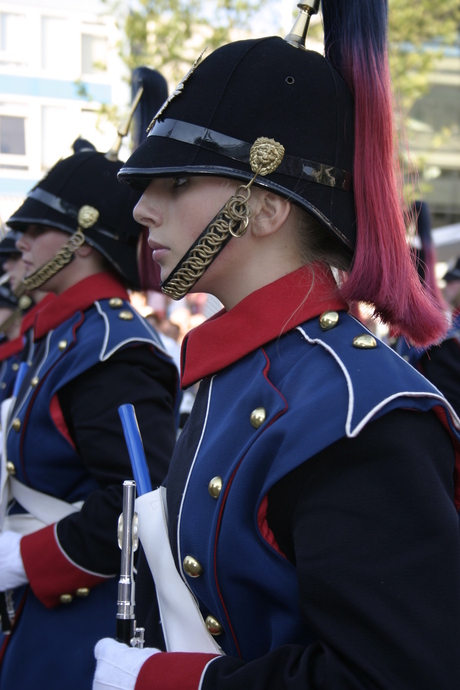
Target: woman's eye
[35, 231]
[179, 181]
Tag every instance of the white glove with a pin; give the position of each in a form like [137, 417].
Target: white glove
[117, 665]
[12, 573]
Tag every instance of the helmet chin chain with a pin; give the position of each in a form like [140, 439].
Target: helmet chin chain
[87, 216]
[231, 221]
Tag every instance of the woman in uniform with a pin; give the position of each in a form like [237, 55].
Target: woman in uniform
[64, 456]
[311, 504]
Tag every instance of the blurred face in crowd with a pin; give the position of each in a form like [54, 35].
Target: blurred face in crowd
[452, 293]
[15, 268]
[38, 245]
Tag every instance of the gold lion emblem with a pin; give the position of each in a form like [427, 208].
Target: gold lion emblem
[265, 156]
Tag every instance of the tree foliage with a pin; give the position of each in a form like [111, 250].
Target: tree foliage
[418, 34]
[167, 35]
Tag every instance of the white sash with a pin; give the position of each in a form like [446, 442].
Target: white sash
[183, 626]
[5, 494]
[42, 509]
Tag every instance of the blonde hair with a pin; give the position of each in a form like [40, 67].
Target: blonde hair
[316, 244]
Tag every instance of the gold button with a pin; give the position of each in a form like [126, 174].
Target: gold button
[192, 567]
[10, 468]
[24, 302]
[258, 417]
[34, 381]
[66, 598]
[16, 424]
[215, 487]
[126, 315]
[15, 366]
[82, 592]
[213, 626]
[365, 341]
[115, 302]
[62, 344]
[3, 385]
[328, 320]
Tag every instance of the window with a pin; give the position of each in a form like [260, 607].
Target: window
[101, 133]
[12, 135]
[12, 139]
[94, 50]
[12, 31]
[54, 44]
[54, 135]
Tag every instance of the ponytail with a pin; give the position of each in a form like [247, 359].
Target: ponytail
[383, 272]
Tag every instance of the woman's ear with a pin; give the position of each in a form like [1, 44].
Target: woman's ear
[270, 212]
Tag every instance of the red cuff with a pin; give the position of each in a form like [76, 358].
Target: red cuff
[173, 671]
[53, 577]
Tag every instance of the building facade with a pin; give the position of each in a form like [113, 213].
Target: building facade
[434, 139]
[58, 64]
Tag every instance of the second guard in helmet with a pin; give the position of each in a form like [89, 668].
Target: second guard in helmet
[66, 457]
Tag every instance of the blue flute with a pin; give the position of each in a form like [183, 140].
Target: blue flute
[128, 540]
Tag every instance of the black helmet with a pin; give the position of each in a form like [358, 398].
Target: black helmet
[260, 88]
[8, 299]
[87, 179]
[8, 245]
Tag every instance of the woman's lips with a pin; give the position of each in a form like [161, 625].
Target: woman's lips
[158, 250]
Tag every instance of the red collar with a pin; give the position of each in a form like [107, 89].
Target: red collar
[30, 316]
[77, 298]
[262, 316]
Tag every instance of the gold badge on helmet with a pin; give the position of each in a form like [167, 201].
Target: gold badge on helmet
[87, 216]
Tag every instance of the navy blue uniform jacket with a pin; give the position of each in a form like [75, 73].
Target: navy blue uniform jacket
[92, 353]
[314, 485]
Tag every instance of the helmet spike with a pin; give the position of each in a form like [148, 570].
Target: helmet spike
[298, 33]
[123, 129]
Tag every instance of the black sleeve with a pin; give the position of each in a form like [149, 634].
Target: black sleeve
[90, 406]
[372, 529]
[441, 366]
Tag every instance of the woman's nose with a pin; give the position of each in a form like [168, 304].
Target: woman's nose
[147, 212]
[21, 243]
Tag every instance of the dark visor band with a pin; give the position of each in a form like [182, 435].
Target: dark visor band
[239, 150]
[67, 209]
